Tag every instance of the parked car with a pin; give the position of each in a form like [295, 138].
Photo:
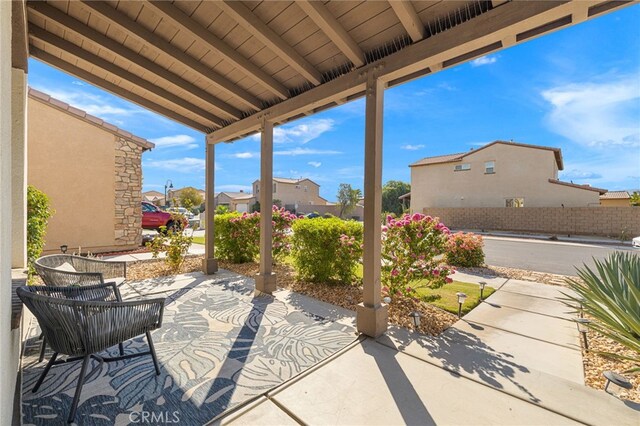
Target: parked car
[181, 210]
[154, 218]
[636, 242]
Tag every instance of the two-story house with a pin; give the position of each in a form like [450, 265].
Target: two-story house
[500, 174]
[294, 194]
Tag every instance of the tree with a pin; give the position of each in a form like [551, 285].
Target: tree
[189, 197]
[635, 199]
[347, 198]
[391, 191]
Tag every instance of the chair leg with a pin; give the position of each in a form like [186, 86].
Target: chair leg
[153, 353]
[43, 348]
[121, 347]
[76, 397]
[44, 373]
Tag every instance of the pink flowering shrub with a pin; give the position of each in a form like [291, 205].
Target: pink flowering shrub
[237, 236]
[465, 250]
[327, 250]
[411, 246]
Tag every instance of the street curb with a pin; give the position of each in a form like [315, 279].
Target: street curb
[626, 244]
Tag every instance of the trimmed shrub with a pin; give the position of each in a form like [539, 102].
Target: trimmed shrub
[282, 221]
[237, 236]
[327, 250]
[411, 246]
[465, 250]
[38, 213]
[174, 243]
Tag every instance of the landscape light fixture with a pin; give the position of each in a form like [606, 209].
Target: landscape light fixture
[583, 328]
[619, 383]
[64, 248]
[386, 300]
[482, 284]
[461, 298]
[415, 317]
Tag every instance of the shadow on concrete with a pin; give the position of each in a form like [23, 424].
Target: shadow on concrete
[461, 352]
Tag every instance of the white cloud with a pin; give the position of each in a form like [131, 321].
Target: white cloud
[484, 60]
[182, 141]
[315, 164]
[182, 165]
[244, 155]
[91, 103]
[78, 83]
[597, 114]
[410, 147]
[301, 133]
[576, 174]
[306, 151]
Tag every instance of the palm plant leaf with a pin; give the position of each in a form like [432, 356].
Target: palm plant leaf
[610, 294]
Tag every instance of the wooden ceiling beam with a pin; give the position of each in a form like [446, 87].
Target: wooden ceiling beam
[250, 22]
[62, 65]
[409, 19]
[185, 24]
[74, 50]
[135, 30]
[329, 25]
[74, 26]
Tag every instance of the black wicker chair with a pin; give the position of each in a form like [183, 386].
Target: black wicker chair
[61, 270]
[80, 322]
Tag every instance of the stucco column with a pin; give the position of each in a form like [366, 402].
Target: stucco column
[18, 168]
[210, 264]
[372, 315]
[266, 279]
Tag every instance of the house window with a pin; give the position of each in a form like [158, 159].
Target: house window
[306, 188]
[490, 167]
[274, 188]
[297, 186]
[462, 167]
[515, 202]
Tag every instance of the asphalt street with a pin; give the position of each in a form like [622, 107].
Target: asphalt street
[545, 256]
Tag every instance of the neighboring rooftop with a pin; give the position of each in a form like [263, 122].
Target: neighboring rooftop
[82, 115]
[615, 195]
[575, 185]
[451, 158]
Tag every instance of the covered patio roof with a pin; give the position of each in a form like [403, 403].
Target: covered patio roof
[230, 69]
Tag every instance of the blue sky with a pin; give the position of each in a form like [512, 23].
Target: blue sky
[577, 89]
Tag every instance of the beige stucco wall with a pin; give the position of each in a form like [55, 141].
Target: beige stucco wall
[72, 161]
[290, 195]
[520, 172]
[615, 203]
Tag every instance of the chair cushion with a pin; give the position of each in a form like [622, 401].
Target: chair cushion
[66, 267]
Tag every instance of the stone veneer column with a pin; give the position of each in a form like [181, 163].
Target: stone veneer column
[128, 194]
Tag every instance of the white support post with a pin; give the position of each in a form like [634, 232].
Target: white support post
[266, 279]
[372, 315]
[210, 264]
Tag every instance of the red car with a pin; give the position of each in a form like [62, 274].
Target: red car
[154, 218]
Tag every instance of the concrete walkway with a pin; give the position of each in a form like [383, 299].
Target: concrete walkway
[515, 359]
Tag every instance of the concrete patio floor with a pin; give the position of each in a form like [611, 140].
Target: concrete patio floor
[515, 359]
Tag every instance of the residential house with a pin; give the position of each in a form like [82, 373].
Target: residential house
[297, 195]
[153, 197]
[91, 170]
[236, 201]
[615, 199]
[500, 174]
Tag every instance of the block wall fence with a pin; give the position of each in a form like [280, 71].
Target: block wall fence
[601, 221]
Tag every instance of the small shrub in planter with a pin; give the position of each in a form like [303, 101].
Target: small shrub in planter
[327, 250]
[282, 222]
[411, 246]
[465, 250]
[174, 243]
[38, 213]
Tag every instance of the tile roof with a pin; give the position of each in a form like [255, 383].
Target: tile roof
[78, 113]
[575, 185]
[450, 158]
[615, 195]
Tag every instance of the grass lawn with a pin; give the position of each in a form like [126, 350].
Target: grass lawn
[448, 300]
[198, 240]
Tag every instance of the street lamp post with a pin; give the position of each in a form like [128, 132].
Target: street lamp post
[168, 185]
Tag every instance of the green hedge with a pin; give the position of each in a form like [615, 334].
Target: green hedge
[237, 236]
[38, 213]
[327, 250]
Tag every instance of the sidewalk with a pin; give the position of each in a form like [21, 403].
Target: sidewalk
[577, 239]
[194, 250]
